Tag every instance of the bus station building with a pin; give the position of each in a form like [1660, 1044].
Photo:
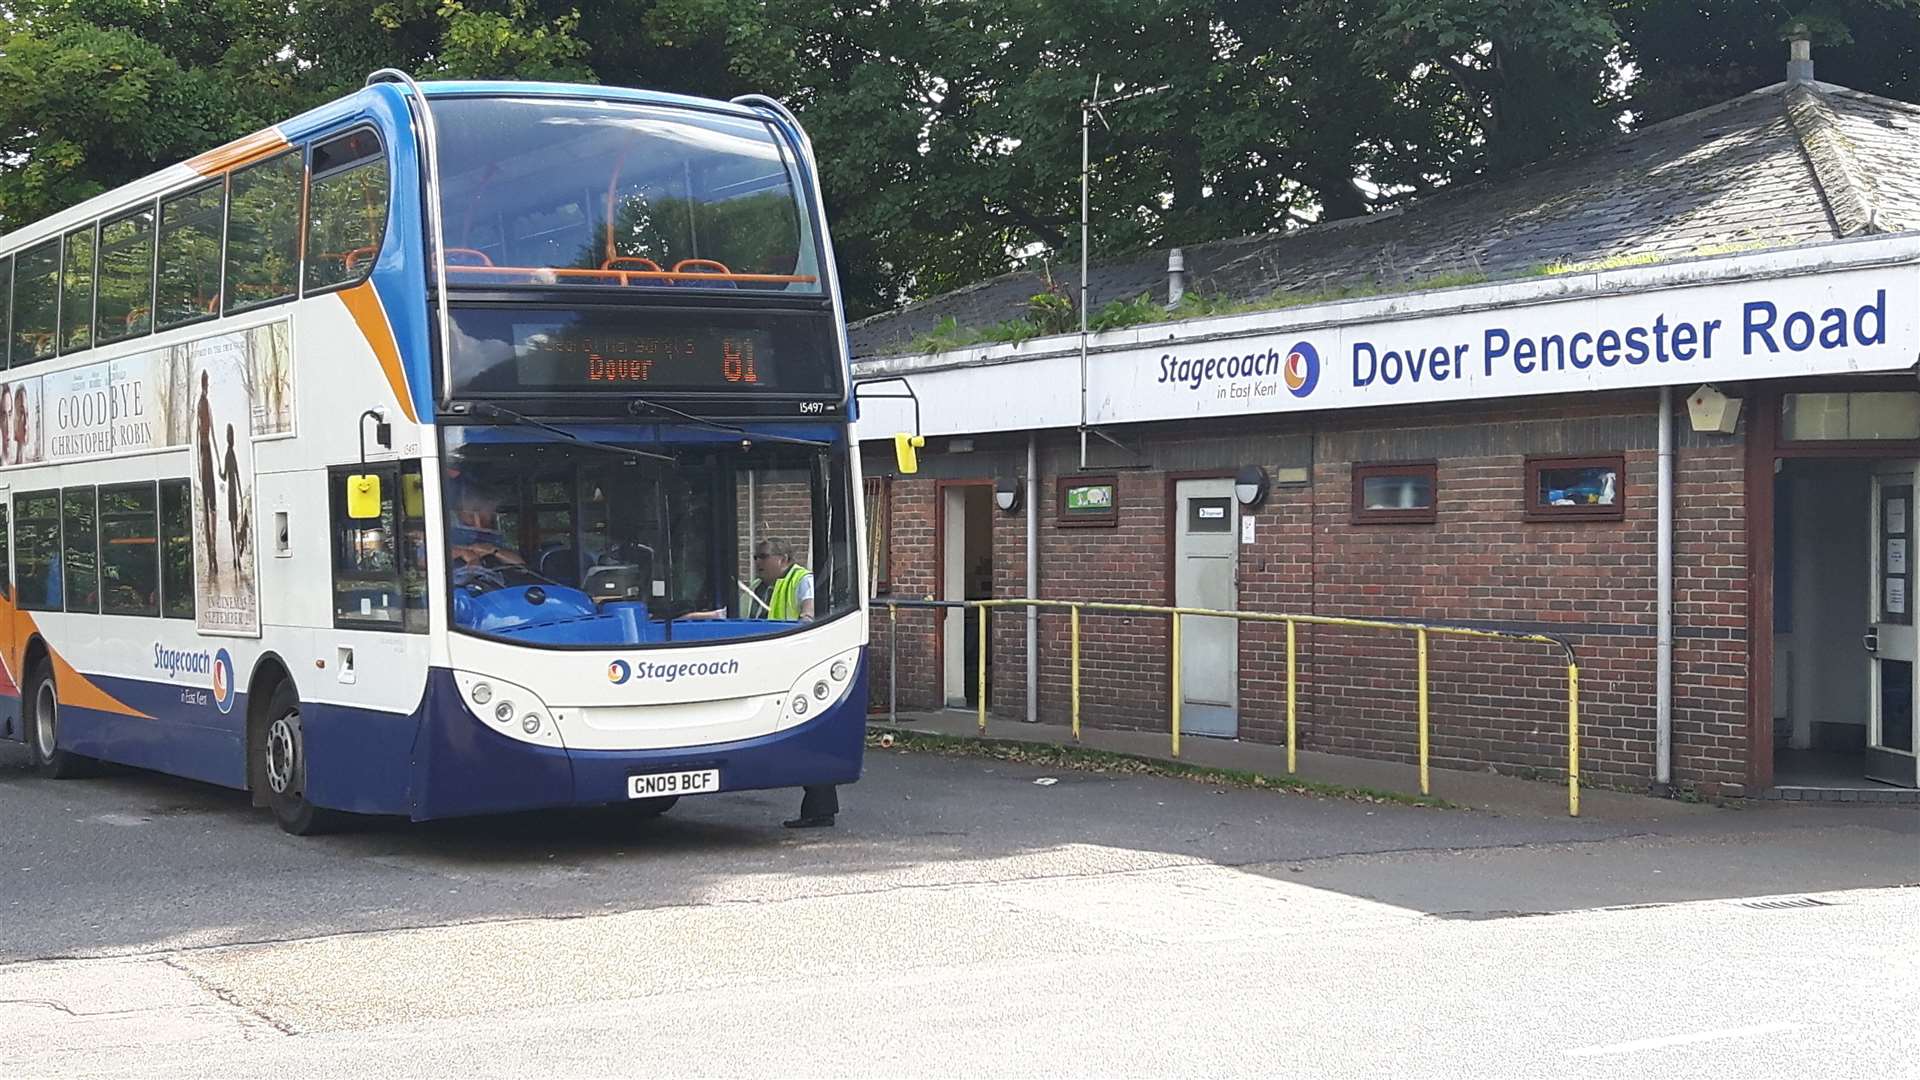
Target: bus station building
[1456, 412]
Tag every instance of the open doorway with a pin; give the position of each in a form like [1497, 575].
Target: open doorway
[1845, 662]
[966, 573]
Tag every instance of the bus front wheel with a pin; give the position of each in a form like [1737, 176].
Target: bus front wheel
[283, 765]
[42, 707]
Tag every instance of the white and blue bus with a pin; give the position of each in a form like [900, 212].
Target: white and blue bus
[448, 449]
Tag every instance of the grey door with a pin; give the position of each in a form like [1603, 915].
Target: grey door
[1205, 557]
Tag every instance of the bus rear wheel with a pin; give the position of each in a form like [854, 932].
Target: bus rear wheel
[282, 751]
[41, 705]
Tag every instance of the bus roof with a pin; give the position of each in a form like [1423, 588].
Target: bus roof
[268, 140]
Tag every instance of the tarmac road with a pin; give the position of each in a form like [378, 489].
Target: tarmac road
[963, 919]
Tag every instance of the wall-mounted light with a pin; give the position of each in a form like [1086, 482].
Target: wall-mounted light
[1006, 494]
[1711, 410]
[1250, 485]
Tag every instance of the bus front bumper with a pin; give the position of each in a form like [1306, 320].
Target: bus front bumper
[461, 767]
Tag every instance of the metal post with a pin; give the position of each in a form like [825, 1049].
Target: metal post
[1086, 166]
[1573, 739]
[893, 663]
[1663, 601]
[1176, 684]
[981, 665]
[1292, 735]
[1033, 584]
[1074, 648]
[1425, 789]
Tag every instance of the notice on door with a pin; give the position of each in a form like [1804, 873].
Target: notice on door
[1897, 556]
[1896, 596]
[1896, 516]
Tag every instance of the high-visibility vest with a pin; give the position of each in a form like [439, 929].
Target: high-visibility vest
[785, 605]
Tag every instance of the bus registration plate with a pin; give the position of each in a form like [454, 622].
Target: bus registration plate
[653, 785]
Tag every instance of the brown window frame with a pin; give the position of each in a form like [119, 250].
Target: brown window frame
[1107, 519]
[1416, 515]
[1536, 512]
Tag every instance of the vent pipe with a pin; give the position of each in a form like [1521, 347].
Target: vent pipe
[1799, 54]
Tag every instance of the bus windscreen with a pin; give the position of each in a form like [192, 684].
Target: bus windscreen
[522, 350]
[551, 193]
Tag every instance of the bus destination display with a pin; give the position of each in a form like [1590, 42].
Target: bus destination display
[557, 356]
[499, 350]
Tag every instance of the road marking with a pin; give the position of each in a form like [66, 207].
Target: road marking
[1682, 1040]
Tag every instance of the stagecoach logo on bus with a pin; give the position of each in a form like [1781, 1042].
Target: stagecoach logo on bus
[620, 671]
[223, 681]
[217, 666]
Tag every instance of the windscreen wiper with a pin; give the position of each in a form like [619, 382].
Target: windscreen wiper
[496, 412]
[638, 405]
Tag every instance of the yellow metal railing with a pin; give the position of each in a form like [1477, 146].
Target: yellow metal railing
[1421, 632]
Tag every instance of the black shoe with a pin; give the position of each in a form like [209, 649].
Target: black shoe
[821, 821]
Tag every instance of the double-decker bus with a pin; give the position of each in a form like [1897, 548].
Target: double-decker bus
[448, 449]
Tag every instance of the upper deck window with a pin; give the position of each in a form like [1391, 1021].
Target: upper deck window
[552, 192]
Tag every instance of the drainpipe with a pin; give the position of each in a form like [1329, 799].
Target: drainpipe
[1033, 581]
[1663, 672]
[1176, 277]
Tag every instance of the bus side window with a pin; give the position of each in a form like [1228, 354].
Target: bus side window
[366, 563]
[76, 292]
[36, 302]
[129, 550]
[37, 549]
[189, 283]
[126, 277]
[413, 546]
[346, 210]
[263, 232]
[176, 550]
[80, 549]
[6, 315]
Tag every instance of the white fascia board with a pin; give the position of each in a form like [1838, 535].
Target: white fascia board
[974, 390]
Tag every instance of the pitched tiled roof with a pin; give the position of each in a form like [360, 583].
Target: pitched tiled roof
[1790, 164]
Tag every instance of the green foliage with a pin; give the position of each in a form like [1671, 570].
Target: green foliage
[948, 132]
[1120, 314]
[1052, 311]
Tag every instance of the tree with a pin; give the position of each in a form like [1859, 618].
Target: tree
[948, 130]
[1692, 55]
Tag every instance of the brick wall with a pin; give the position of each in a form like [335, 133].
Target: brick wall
[780, 506]
[912, 575]
[1492, 703]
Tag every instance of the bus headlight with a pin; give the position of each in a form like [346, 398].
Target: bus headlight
[503, 712]
[839, 671]
[530, 724]
[800, 705]
[482, 693]
[821, 690]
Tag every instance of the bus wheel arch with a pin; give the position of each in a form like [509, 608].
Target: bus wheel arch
[276, 753]
[269, 672]
[39, 716]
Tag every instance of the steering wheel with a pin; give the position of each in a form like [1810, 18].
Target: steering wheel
[481, 576]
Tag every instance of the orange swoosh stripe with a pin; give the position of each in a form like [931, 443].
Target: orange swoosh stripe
[239, 152]
[364, 304]
[73, 686]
